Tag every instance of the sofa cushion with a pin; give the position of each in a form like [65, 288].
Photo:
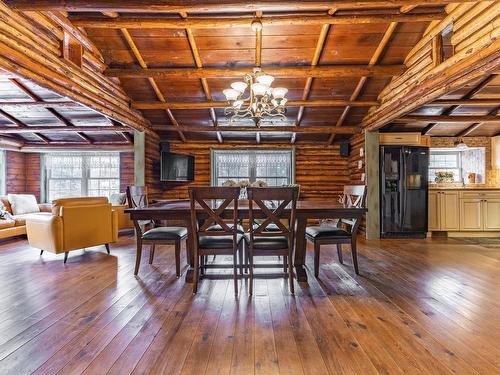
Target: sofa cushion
[23, 203]
[7, 223]
[20, 220]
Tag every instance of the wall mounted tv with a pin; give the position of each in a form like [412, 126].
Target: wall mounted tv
[176, 167]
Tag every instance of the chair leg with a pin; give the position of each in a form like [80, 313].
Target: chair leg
[107, 248]
[354, 253]
[235, 271]
[240, 259]
[195, 271]
[339, 253]
[138, 256]
[284, 264]
[316, 258]
[245, 257]
[178, 258]
[250, 260]
[41, 252]
[152, 253]
[290, 271]
[203, 261]
[65, 257]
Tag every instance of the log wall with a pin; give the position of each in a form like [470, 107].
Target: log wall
[126, 170]
[320, 170]
[23, 173]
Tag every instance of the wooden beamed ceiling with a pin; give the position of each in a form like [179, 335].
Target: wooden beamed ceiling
[344, 64]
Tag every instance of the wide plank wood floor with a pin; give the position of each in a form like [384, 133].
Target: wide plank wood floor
[419, 307]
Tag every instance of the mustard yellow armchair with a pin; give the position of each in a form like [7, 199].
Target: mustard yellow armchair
[75, 223]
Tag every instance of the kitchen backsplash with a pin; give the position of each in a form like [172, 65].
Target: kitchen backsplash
[492, 175]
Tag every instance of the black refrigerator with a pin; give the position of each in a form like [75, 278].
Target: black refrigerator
[404, 173]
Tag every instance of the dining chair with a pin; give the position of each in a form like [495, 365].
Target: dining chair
[269, 205]
[343, 232]
[148, 232]
[213, 235]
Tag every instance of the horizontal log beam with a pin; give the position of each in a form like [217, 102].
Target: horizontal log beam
[33, 147]
[58, 129]
[467, 102]
[222, 104]
[220, 23]
[454, 119]
[263, 129]
[327, 71]
[177, 6]
[28, 105]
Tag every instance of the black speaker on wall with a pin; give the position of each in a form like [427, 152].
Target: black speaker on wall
[345, 148]
[164, 147]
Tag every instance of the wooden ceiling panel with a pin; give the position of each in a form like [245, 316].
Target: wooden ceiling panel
[372, 88]
[220, 58]
[334, 88]
[138, 89]
[355, 116]
[181, 89]
[321, 116]
[156, 116]
[447, 129]
[489, 130]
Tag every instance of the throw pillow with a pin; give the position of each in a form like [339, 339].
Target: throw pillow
[118, 199]
[23, 203]
[4, 214]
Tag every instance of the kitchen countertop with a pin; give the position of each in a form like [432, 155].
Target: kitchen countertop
[466, 187]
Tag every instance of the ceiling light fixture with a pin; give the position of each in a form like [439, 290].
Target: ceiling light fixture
[262, 100]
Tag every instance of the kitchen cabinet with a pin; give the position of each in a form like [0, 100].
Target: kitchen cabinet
[464, 210]
[444, 211]
[491, 214]
[408, 139]
[471, 214]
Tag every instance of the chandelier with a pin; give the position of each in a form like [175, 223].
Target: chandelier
[262, 100]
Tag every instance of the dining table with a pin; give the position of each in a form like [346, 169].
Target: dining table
[306, 210]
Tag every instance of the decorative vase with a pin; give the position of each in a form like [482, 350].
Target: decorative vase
[243, 193]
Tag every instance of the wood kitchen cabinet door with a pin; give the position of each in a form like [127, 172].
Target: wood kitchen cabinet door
[471, 216]
[491, 214]
[433, 215]
[450, 211]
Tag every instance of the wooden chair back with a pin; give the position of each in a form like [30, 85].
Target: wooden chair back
[354, 196]
[213, 201]
[269, 205]
[137, 197]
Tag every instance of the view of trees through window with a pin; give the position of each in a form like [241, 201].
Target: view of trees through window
[81, 174]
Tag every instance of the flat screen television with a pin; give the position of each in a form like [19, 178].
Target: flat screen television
[176, 167]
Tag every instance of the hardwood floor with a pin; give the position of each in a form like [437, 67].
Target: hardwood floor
[419, 307]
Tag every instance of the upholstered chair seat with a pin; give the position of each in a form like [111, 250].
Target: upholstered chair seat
[327, 232]
[218, 242]
[165, 233]
[269, 243]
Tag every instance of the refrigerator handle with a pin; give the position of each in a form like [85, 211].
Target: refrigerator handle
[403, 187]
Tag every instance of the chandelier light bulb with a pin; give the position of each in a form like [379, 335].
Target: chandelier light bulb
[279, 92]
[237, 103]
[239, 86]
[259, 89]
[265, 79]
[231, 94]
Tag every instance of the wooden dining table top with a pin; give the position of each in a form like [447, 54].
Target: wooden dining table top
[304, 208]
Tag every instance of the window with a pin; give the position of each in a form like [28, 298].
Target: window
[273, 167]
[445, 161]
[81, 174]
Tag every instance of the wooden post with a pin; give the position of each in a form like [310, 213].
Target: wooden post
[139, 158]
[373, 185]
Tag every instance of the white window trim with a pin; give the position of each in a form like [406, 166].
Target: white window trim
[3, 172]
[459, 162]
[86, 172]
[251, 152]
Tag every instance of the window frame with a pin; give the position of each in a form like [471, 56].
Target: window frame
[85, 178]
[458, 165]
[3, 172]
[252, 170]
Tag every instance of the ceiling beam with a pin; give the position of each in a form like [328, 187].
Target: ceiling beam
[177, 6]
[203, 81]
[473, 127]
[362, 82]
[36, 147]
[131, 44]
[264, 129]
[468, 96]
[222, 104]
[29, 105]
[59, 129]
[466, 102]
[450, 119]
[232, 22]
[323, 71]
